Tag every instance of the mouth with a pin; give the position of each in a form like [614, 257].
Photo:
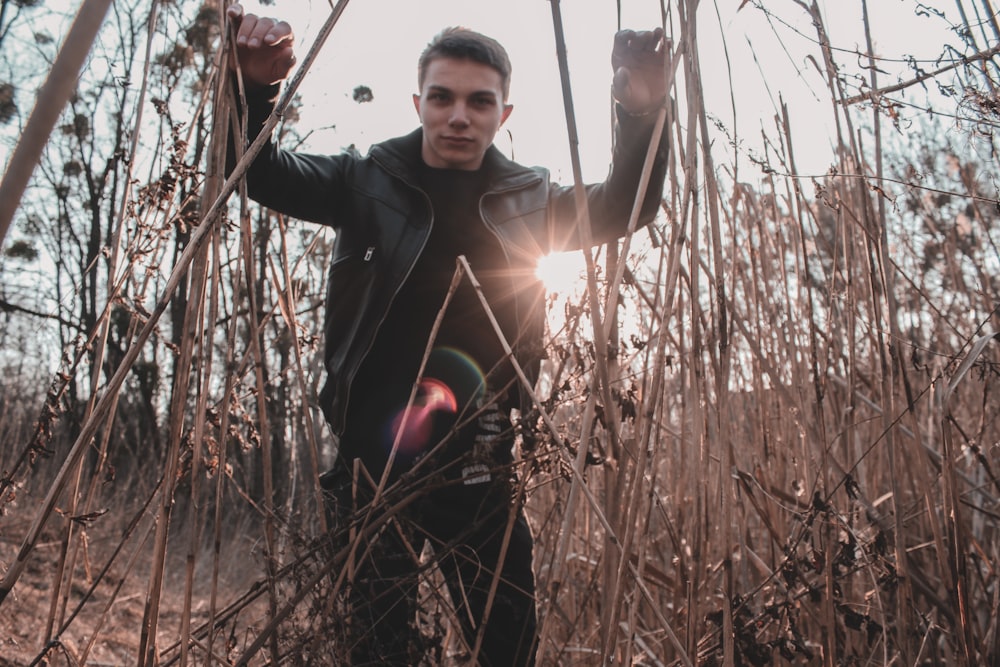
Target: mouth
[457, 141]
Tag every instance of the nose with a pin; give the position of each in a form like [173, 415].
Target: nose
[459, 117]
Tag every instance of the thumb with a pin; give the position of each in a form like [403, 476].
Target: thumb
[622, 84]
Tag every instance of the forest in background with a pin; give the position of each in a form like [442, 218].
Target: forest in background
[782, 447]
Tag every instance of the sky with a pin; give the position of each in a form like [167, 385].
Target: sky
[377, 43]
[746, 71]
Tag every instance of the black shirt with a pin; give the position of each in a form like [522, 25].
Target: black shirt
[467, 355]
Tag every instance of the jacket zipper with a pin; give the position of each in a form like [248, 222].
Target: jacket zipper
[426, 236]
[395, 293]
[503, 246]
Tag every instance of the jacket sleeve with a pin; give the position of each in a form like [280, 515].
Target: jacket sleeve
[610, 203]
[303, 186]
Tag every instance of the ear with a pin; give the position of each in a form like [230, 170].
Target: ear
[416, 103]
[507, 108]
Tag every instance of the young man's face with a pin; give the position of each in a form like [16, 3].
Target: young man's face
[461, 107]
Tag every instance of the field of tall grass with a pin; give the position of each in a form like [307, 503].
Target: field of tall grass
[768, 431]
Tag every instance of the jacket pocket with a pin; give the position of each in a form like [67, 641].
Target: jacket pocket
[349, 286]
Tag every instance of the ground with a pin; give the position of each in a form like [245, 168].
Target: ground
[25, 613]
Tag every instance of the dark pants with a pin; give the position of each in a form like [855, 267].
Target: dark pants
[465, 521]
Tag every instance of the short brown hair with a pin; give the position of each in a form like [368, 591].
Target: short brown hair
[464, 44]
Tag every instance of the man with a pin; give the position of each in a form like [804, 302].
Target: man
[419, 390]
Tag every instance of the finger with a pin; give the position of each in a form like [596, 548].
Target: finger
[621, 83]
[235, 13]
[247, 25]
[647, 41]
[282, 65]
[657, 36]
[623, 37]
[279, 33]
[260, 29]
[269, 32]
[258, 35]
[623, 44]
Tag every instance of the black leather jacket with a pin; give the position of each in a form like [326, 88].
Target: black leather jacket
[383, 221]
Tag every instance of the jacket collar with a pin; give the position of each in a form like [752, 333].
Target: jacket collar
[401, 156]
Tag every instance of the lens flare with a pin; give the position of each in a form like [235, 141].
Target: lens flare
[453, 382]
[563, 273]
[458, 371]
[415, 427]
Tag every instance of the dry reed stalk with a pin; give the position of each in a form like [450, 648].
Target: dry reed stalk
[653, 398]
[591, 499]
[214, 178]
[227, 400]
[807, 460]
[896, 374]
[201, 274]
[695, 457]
[888, 383]
[255, 335]
[513, 511]
[881, 286]
[104, 325]
[826, 482]
[602, 379]
[198, 436]
[104, 405]
[957, 535]
[52, 98]
[221, 473]
[630, 473]
[192, 337]
[374, 522]
[372, 518]
[626, 478]
[723, 436]
[609, 330]
[565, 533]
[286, 298]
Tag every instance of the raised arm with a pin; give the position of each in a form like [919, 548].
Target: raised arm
[265, 48]
[638, 61]
[300, 185]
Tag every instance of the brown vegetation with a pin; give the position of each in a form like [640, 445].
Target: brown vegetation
[783, 450]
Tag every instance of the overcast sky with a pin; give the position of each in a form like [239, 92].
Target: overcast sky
[377, 43]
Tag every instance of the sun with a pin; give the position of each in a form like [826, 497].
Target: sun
[562, 273]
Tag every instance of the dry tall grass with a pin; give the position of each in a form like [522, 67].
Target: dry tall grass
[778, 448]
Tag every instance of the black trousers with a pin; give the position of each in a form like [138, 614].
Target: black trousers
[465, 517]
